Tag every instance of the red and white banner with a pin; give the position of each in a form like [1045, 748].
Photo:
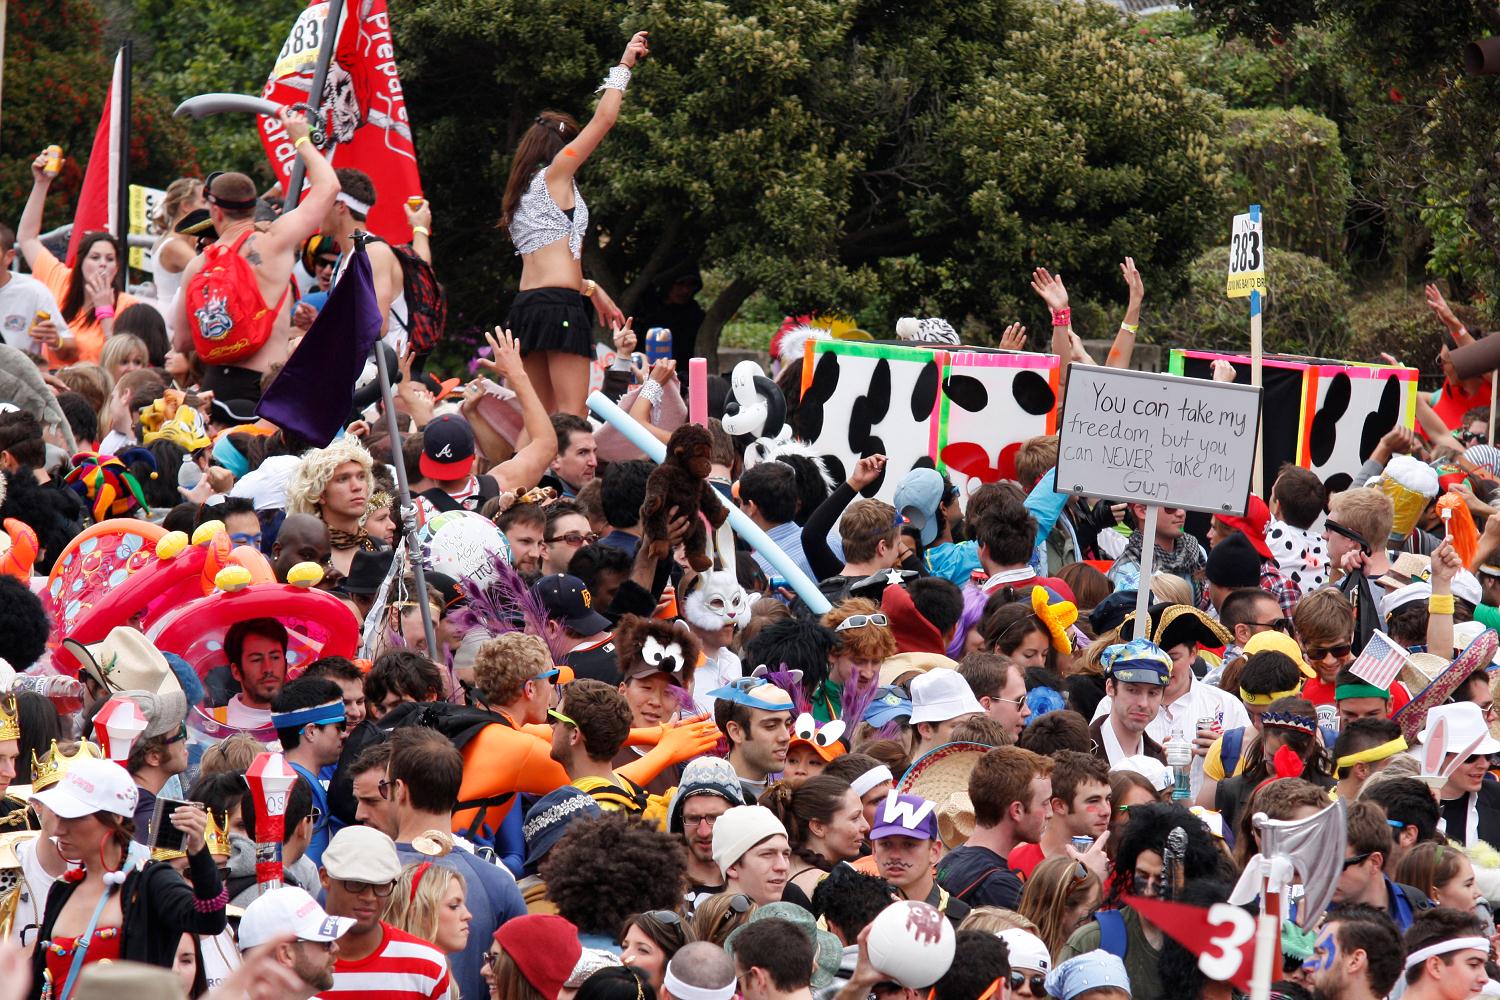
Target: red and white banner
[369, 127]
[99, 198]
[1222, 936]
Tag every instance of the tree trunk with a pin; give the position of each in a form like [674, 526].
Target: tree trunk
[722, 311]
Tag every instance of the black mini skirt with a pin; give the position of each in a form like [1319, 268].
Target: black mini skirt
[552, 319]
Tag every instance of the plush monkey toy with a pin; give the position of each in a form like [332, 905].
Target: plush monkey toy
[682, 482]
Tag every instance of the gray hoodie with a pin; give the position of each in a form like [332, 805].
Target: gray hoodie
[243, 889]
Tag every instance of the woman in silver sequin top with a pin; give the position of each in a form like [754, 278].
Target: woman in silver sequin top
[548, 220]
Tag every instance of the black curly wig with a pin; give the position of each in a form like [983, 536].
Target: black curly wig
[23, 624]
[54, 514]
[1178, 967]
[801, 645]
[605, 869]
[1147, 831]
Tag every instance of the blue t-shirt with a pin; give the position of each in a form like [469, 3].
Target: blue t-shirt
[321, 831]
[492, 900]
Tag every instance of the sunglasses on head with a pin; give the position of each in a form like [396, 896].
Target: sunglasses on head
[860, 621]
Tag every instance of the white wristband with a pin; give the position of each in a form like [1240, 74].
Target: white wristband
[618, 78]
[651, 391]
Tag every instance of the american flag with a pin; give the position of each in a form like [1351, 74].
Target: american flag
[1380, 661]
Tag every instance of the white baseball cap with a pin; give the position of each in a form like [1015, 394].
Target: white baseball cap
[89, 786]
[1149, 768]
[289, 909]
[942, 694]
[1026, 950]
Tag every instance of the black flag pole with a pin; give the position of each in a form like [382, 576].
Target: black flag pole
[326, 48]
[122, 154]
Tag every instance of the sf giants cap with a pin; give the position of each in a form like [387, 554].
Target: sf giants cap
[289, 909]
[447, 448]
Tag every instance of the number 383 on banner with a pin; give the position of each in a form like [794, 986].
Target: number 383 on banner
[1247, 256]
[1222, 936]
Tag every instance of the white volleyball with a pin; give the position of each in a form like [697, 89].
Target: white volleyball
[912, 943]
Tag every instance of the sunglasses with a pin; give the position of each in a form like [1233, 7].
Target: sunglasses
[384, 788]
[561, 718]
[574, 538]
[1282, 625]
[316, 816]
[860, 621]
[323, 262]
[1358, 859]
[1038, 983]
[381, 890]
[739, 905]
[548, 675]
[180, 735]
[1469, 437]
[1321, 652]
[669, 917]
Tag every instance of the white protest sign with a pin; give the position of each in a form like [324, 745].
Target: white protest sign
[1247, 256]
[1157, 439]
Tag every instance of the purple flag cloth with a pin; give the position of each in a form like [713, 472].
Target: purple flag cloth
[314, 393]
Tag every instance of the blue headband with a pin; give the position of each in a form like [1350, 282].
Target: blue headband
[227, 455]
[739, 690]
[318, 715]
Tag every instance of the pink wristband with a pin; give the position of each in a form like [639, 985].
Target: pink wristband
[104, 312]
[1062, 317]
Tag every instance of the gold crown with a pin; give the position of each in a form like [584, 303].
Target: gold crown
[216, 837]
[165, 854]
[49, 770]
[10, 719]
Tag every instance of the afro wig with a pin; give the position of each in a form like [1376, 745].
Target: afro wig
[23, 624]
[800, 645]
[1148, 829]
[603, 870]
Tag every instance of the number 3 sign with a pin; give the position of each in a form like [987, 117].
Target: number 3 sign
[1247, 256]
[1222, 936]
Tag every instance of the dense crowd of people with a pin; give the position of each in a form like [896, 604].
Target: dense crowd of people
[472, 700]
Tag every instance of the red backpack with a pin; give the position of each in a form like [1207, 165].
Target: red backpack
[229, 317]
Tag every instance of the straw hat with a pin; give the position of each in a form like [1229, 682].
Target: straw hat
[955, 816]
[941, 771]
[1475, 657]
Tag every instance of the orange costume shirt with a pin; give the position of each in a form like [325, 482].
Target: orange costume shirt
[89, 336]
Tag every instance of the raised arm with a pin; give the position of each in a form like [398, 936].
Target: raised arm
[29, 231]
[1122, 350]
[573, 155]
[1055, 294]
[1441, 310]
[531, 461]
[420, 220]
[291, 229]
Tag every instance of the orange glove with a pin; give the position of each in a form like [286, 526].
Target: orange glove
[649, 736]
[684, 741]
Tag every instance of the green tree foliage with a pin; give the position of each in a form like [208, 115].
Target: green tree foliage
[900, 156]
[55, 94]
[211, 46]
[1305, 308]
[1290, 162]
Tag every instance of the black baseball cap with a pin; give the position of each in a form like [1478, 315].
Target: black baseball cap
[447, 448]
[568, 600]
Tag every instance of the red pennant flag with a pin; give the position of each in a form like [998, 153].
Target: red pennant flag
[1223, 936]
[99, 199]
[369, 126]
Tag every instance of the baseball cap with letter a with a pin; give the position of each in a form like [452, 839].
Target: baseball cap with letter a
[447, 448]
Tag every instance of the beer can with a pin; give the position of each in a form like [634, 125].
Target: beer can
[1208, 722]
[54, 160]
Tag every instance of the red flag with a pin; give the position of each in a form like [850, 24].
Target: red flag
[1223, 936]
[99, 199]
[369, 127]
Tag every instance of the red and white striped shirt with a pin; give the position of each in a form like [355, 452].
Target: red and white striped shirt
[404, 967]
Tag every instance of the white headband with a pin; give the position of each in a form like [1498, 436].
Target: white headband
[1421, 955]
[680, 990]
[870, 779]
[355, 205]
